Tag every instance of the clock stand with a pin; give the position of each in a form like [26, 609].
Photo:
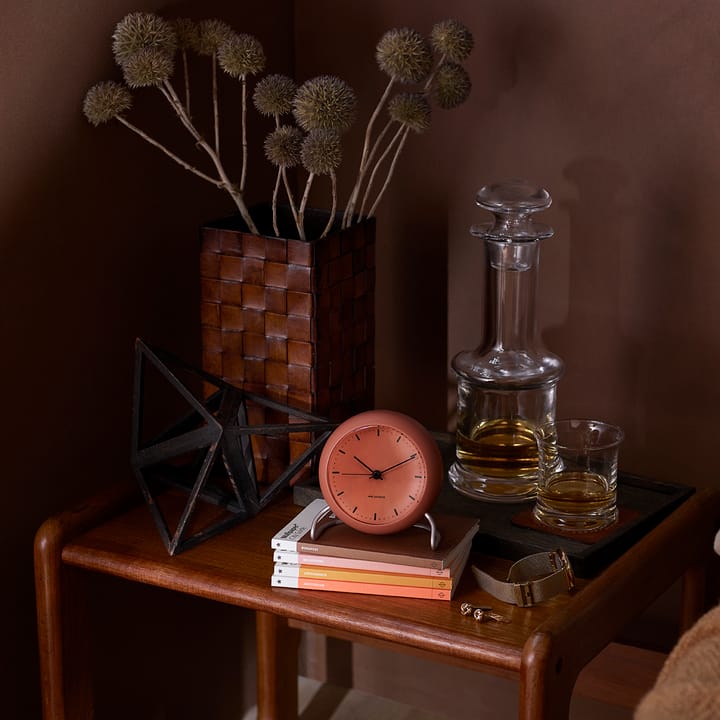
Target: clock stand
[326, 518]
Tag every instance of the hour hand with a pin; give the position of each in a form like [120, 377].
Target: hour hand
[365, 465]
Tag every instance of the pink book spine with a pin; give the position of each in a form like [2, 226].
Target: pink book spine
[354, 564]
[363, 588]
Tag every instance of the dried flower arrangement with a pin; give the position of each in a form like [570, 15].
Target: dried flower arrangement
[147, 46]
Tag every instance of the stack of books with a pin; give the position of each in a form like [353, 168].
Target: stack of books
[342, 559]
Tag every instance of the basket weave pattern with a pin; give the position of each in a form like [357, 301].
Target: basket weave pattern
[292, 320]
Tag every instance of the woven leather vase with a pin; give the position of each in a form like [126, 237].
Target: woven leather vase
[291, 320]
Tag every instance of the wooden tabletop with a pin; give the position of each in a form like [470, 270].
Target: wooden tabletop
[547, 645]
[235, 568]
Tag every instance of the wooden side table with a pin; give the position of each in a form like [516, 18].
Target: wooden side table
[546, 645]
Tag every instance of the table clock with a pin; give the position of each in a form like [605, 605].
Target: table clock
[380, 472]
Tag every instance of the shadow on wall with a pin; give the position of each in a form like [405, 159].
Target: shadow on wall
[636, 344]
[599, 360]
[82, 273]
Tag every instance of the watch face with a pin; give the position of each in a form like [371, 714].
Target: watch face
[380, 472]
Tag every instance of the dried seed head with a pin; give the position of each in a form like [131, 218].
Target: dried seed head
[324, 103]
[274, 95]
[147, 67]
[411, 109]
[241, 55]
[282, 146]
[451, 86]
[187, 33]
[105, 101]
[452, 39]
[321, 153]
[140, 30]
[211, 35]
[404, 55]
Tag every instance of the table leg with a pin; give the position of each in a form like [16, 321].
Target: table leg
[64, 672]
[556, 653]
[547, 680]
[65, 679]
[277, 667]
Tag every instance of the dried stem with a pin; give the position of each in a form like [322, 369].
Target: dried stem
[171, 96]
[371, 181]
[169, 92]
[390, 172]
[216, 108]
[276, 191]
[303, 205]
[169, 153]
[243, 172]
[431, 76]
[347, 219]
[186, 77]
[291, 198]
[378, 141]
[333, 180]
[364, 160]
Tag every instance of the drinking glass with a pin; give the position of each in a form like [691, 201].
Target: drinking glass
[578, 465]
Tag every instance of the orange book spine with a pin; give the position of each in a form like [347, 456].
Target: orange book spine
[363, 588]
[352, 575]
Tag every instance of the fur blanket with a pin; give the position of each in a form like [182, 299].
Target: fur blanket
[688, 685]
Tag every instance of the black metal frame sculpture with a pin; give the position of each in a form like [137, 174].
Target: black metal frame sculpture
[217, 424]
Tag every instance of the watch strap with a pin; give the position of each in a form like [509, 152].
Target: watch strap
[530, 580]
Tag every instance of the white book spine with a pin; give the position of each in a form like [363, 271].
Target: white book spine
[287, 538]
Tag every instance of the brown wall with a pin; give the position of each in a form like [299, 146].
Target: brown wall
[99, 244]
[613, 107]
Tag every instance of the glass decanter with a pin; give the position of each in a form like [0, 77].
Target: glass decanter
[507, 386]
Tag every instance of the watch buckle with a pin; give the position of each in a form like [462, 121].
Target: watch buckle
[565, 566]
[523, 594]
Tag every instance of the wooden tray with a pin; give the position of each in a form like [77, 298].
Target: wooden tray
[507, 529]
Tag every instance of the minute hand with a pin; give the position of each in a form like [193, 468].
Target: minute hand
[402, 462]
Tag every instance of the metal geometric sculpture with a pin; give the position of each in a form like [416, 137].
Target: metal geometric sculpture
[212, 451]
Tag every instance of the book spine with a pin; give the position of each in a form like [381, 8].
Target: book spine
[362, 588]
[372, 555]
[361, 576]
[294, 558]
[287, 538]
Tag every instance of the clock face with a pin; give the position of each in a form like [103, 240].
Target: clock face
[380, 471]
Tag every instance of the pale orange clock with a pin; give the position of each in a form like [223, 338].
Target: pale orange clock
[380, 471]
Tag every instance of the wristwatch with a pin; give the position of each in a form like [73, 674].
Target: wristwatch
[530, 580]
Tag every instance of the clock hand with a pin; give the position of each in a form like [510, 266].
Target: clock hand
[365, 465]
[402, 462]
